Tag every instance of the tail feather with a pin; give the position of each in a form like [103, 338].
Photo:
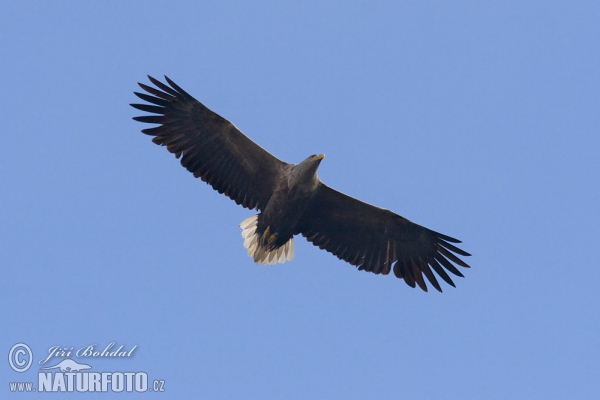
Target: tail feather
[261, 255]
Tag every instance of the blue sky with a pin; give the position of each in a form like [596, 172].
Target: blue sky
[479, 120]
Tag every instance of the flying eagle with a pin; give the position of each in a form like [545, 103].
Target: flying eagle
[291, 198]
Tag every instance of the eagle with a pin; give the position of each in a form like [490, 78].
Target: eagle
[290, 198]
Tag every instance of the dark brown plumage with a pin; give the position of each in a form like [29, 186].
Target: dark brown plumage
[291, 198]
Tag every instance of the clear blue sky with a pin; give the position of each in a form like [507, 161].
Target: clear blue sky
[479, 120]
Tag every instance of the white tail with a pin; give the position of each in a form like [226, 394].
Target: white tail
[260, 255]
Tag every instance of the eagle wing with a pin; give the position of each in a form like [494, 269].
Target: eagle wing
[374, 238]
[209, 146]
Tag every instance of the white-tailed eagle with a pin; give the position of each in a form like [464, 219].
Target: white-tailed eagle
[291, 198]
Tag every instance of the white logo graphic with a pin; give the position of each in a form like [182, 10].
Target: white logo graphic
[69, 375]
[14, 357]
[68, 365]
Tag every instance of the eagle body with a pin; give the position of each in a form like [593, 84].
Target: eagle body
[279, 221]
[290, 198]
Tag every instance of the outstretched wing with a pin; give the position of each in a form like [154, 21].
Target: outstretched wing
[373, 238]
[209, 146]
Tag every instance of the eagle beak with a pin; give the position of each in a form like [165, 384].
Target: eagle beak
[320, 156]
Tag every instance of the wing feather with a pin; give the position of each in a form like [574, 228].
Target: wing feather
[209, 146]
[374, 239]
